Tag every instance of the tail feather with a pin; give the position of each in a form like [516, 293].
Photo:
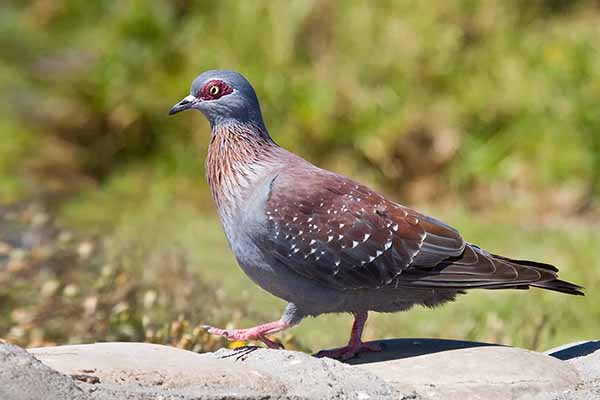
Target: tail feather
[528, 263]
[477, 269]
[555, 284]
[561, 286]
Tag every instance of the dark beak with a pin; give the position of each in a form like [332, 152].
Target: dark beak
[183, 105]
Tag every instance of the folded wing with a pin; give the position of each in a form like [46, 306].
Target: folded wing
[346, 236]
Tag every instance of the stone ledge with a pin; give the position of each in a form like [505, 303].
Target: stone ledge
[407, 368]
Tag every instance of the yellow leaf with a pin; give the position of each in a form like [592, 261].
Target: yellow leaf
[237, 343]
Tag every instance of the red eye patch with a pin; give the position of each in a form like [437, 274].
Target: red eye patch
[214, 90]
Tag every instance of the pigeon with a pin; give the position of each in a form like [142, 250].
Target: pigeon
[325, 243]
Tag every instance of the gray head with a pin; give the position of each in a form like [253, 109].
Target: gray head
[223, 96]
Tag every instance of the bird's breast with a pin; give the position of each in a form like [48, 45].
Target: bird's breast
[237, 161]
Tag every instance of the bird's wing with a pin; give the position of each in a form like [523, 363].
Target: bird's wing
[342, 234]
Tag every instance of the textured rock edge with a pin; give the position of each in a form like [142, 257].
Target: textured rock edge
[291, 375]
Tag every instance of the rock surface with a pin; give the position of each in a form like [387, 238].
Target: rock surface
[406, 369]
[585, 358]
[22, 377]
[474, 372]
[149, 369]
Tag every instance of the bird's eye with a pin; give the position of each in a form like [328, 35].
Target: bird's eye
[214, 90]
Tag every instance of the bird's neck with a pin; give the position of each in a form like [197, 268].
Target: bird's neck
[239, 156]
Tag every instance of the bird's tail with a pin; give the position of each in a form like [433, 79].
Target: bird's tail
[475, 268]
[554, 284]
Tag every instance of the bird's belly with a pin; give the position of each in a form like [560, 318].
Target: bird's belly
[278, 280]
[394, 299]
[310, 297]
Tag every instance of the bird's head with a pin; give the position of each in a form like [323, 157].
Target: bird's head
[223, 96]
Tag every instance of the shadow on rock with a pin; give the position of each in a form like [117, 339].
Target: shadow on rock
[395, 349]
[574, 350]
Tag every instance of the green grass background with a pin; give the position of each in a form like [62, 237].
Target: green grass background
[485, 114]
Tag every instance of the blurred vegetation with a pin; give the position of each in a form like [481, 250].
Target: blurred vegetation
[56, 287]
[484, 113]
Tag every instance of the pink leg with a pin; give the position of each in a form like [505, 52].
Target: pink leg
[255, 333]
[355, 345]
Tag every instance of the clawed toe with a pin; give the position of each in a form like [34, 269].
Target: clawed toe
[230, 334]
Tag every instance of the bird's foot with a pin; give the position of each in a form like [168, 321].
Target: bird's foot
[255, 333]
[349, 351]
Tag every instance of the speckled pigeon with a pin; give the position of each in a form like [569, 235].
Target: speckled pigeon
[325, 243]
